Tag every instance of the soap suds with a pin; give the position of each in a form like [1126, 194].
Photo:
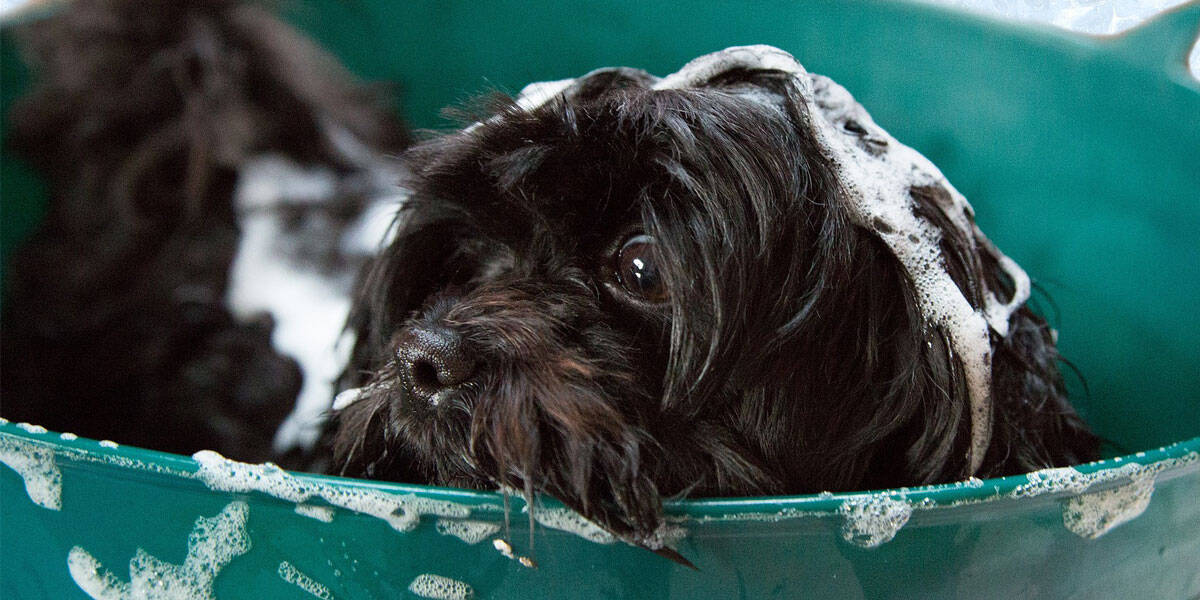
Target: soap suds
[437, 587]
[31, 428]
[1094, 514]
[35, 464]
[70, 437]
[346, 398]
[95, 582]
[873, 520]
[293, 576]
[565, 519]
[471, 532]
[320, 513]
[109, 444]
[402, 512]
[212, 544]
[1091, 514]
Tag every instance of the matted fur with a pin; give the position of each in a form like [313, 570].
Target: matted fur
[791, 357]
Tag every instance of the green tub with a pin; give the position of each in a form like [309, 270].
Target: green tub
[1082, 158]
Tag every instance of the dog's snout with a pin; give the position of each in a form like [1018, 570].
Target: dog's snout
[433, 358]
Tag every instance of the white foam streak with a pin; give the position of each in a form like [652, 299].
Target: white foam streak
[212, 544]
[401, 511]
[35, 464]
[471, 532]
[292, 575]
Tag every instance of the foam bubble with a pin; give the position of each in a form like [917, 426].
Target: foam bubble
[1094, 514]
[70, 437]
[212, 544]
[109, 444]
[31, 428]
[94, 582]
[401, 511]
[293, 576]
[471, 532]
[873, 520]
[320, 513]
[35, 464]
[565, 519]
[346, 398]
[437, 587]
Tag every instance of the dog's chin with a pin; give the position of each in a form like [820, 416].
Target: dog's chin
[557, 424]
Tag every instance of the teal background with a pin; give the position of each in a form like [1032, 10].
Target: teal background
[1081, 156]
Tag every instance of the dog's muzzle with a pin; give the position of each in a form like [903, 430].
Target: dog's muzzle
[432, 360]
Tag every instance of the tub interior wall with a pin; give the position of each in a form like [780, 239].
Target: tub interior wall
[1057, 140]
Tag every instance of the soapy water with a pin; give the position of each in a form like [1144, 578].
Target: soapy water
[212, 544]
[1096, 503]
[437, 587]
[292, 575]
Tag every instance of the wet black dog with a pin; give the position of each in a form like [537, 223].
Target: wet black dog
[122, 319]
[728, 281]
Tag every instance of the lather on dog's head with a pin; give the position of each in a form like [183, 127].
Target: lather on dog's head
[728, 281]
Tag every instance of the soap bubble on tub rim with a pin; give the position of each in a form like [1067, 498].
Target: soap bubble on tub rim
[31, 428]
[869, 521]
[1094, 514]
[401, 511]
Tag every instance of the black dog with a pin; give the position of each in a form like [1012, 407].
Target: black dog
[122, 319]
[728, 281]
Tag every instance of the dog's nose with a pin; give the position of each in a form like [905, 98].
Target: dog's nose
[432, 358]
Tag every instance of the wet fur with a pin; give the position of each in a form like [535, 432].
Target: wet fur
[115, 323]
[791, 358]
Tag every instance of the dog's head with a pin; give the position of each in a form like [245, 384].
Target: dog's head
[728, 281]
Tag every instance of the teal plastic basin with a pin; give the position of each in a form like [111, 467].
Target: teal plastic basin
[1082, 158]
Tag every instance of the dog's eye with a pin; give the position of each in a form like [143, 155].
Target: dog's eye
[637, 269]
